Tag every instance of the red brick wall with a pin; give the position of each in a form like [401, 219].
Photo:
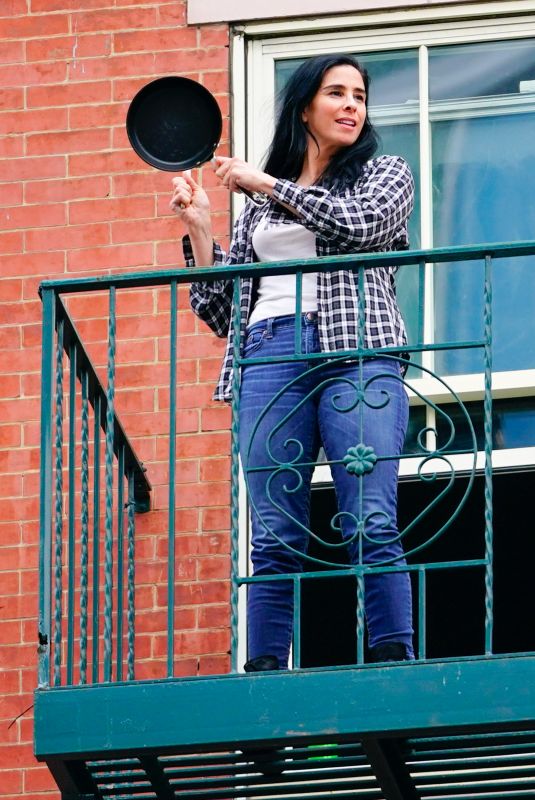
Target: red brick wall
[74, 199]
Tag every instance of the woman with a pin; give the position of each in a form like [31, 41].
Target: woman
[325, 196]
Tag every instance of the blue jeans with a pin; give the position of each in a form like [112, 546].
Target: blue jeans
[287, 410]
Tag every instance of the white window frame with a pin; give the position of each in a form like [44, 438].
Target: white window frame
[256, 47]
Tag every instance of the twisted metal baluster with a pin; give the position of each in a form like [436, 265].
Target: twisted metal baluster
[296, 649]
[131, 608]
[235, 481]
[108, 533]
[422, 624]
[487, 409]
[360, 578]
[72, 514]
[84, 519]
[58, 509]
[96, 536]
[120, 563]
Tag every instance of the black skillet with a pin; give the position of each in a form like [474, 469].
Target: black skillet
[175, 124]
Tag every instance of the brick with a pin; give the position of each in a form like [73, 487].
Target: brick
[13, 8]
[11, 146]
[68, 47]
[98, 116]
[114, 20]
[9, 586]
[215, 469]
[15, 756]
[33, 74]
[38, 120]
[20, 169]
[216, 419]
[67, 142]
[10, 632]
[171, 14]
[214, 665]
[85, 211]
[217, 616]
[39, 778]
[29, 264]
[156, 40]
[18, 606]
[17, 557]
[215, 519]
[39, 216]
[38, 6]
[11, 99]
[9, 340]
[9, 684]
[69, 94]
[11, 52]
[10, 290]
[10, 435]
[70, 238]
[152, 230]
[11, 242]
[112, 67]
[214, 35]
[12, 705]
[10, 783]
[109, 257]
[31, 25]
[216, 82]
[67, 189]
[211, 567]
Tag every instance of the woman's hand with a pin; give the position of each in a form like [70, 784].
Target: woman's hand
[191, 205]
[238, 175]
[190, 202]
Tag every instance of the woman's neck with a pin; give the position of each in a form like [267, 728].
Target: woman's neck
[315, 163]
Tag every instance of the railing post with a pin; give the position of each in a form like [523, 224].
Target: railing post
[487, 407]
[45, 549]
[235, 482]
[172, 473]
[108, 534]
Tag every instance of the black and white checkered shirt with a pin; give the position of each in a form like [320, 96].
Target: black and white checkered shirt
[369, 217]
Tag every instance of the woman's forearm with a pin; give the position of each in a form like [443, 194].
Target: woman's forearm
[202, 244]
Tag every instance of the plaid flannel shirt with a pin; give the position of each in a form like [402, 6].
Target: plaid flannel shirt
[368, 217]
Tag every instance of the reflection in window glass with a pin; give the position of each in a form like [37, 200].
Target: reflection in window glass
[513, 424]
[483, 178]
[482, 70]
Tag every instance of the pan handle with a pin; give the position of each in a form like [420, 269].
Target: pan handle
[257, 197]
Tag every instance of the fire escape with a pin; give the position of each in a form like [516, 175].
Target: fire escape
[454, 726]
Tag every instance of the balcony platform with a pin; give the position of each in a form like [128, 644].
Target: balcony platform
[448, 729]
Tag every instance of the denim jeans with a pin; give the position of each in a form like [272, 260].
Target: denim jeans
[287, 410]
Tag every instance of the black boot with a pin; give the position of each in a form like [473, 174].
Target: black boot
[261, 664]
[388, 651]
[263, 758]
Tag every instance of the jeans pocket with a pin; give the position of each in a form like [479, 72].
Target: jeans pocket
[253, 342]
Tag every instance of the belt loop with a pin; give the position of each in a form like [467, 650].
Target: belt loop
[269, 328]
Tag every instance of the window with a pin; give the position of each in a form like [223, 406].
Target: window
[457, 100]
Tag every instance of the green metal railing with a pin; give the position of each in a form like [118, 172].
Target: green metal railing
[111, 595]
[100, 497]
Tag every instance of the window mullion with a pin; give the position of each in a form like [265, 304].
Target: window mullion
[426, 222]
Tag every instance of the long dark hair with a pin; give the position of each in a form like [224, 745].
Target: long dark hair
[287, 150]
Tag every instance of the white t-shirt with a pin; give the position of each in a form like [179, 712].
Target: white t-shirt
[276, 293]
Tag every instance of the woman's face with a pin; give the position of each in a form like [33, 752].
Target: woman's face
[336, 114]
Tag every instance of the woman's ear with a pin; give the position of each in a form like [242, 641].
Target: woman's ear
[304, 115]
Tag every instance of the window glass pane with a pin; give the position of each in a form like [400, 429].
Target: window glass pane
[513, 424]
[482, 70]
[483, 174]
